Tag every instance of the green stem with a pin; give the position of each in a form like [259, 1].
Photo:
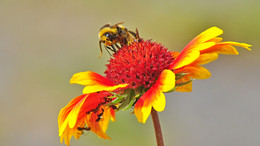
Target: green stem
[157, 128]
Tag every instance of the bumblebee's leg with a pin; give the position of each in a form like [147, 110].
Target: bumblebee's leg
[100, 47]
[108, 48]
[113, 48]
[117, 46]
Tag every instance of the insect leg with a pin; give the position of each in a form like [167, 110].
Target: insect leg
[113, 48]
[100, 47]
[83, 128]
[108, 48]
[117, 46]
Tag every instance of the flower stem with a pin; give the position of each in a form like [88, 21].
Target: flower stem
[157, 128]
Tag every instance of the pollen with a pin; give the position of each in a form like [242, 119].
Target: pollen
[138, 64]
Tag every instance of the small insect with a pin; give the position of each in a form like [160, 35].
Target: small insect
[81, 129]
[113, 37]
[100, 115]
[113, 107]
[84, 128]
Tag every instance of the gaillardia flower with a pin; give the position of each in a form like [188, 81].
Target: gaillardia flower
[137, 76]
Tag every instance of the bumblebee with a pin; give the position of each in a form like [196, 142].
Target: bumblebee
[113, 37]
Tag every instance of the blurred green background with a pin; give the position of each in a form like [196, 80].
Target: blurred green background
[43, 43]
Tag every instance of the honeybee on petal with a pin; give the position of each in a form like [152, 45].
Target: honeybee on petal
[113, 37]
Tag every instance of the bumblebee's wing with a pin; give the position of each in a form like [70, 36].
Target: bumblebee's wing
[133, 35]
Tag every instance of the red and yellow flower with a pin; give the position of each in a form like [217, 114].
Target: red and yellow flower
[137, 76]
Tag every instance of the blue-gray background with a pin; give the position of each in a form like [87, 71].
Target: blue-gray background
[43, 43]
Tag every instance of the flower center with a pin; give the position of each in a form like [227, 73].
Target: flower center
[138, 64]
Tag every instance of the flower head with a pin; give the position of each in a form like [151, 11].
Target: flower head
[137, 76]
[139, 64]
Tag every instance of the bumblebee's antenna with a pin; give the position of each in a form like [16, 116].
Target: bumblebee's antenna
[114, 26]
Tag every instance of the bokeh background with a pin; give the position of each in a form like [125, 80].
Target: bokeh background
[43, 43]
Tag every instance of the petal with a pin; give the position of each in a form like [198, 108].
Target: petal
[113, 114]
[199, 72]
[243, 45]
[94, 100]
[143, 106]
[65, 113]
[216, 39]
[186, 87]
[90, 78]
[146, 110]
[159, 102]
[138, 110]
[190, 52]
[226, 48]
[99, 127]
[166, 80]
[222, 49]
[62, 127]
[105, 118]
[154, 97]
[75, 115]
[206, 58]
[94, 82]
[196, 72]
[96, 88]
[185, 57]
[204, 46]
[69, 132]
[68, 114]
[207, 35]
[175, 54]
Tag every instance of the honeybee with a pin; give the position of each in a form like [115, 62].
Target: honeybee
[113, 37]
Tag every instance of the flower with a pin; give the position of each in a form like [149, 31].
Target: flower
[83, 110]
[137, 76]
